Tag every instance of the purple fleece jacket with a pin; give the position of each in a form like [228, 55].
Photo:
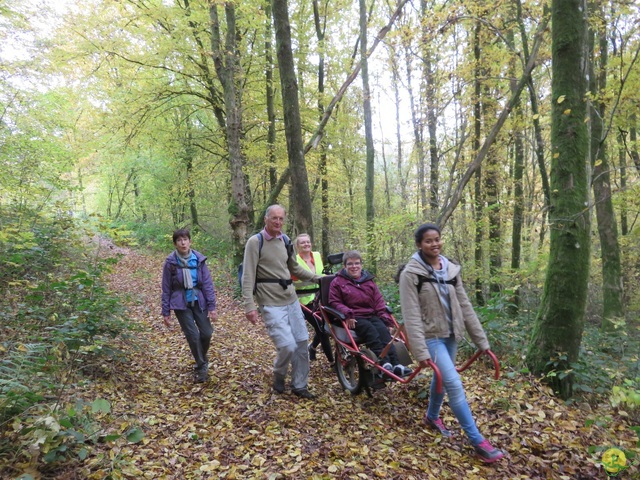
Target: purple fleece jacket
[173, 292]
[359, 298]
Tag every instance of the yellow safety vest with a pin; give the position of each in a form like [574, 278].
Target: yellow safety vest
[317, 259]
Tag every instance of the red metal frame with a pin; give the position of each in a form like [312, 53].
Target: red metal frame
[399, 334]
[353, 347]
[492, 356]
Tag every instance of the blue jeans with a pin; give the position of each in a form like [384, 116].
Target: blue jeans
[443, 354]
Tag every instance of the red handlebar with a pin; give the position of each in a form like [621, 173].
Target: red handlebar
[494, 359]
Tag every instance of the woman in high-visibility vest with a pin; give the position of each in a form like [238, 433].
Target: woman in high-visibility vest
[312, 261]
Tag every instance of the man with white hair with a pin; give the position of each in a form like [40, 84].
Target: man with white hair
[269, 262]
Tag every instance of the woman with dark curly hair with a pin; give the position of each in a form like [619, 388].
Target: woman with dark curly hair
[437, 313]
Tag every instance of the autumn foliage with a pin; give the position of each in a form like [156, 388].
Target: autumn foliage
[234, 426]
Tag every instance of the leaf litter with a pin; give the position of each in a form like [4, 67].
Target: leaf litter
[235, 427]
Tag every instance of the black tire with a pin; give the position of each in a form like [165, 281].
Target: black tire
[351, 371]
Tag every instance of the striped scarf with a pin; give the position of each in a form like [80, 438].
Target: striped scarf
[183, 262]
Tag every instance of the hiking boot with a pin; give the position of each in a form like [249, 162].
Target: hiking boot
[304, 393]
[487, 452]
[312, 353]
[201, 377]
[438, 425]
[402, 371]
[278, 383]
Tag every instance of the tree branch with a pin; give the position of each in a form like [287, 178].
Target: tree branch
[448, 209]
[317, 136]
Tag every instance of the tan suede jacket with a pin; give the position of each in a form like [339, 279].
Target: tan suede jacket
[423, 313]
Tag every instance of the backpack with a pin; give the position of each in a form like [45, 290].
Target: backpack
[422, 279]
[287, 243]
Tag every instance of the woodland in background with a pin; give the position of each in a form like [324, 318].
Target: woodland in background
[514, 126]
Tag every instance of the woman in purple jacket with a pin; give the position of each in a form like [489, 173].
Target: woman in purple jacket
[354, 294]
[187, 289]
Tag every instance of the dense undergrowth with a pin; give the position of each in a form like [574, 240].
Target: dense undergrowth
[59, 322]
[60, 325]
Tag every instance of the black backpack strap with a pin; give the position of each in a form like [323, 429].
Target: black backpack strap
[422, 279]
[260, 242]
[283, 282]
[288, 244]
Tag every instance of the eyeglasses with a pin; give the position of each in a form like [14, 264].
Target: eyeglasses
[354, 264]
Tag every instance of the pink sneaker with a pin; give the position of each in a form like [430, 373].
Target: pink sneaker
[438, 425]
[487, 452]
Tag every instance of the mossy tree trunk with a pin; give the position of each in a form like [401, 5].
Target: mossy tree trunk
[557, 331]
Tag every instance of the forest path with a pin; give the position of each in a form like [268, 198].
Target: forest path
[234, 426]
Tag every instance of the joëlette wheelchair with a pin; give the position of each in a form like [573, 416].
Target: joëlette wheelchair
[357, 367]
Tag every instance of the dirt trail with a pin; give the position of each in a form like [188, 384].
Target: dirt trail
[235, 427]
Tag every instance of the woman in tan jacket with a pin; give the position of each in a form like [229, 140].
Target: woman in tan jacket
[437, 313]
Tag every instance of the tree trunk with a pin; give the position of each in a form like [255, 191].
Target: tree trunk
[612, 291]
[491, 198]
[138, 203]
[385, 170]
[368, 133]
[557, 330]
[395, 71]
[417, 134]
[213, 95]
[633, 139]
[271, 111]
[434, 164]
[324, 181]
[518, 175]
[328, 112]
[191, 192]
[122, 196]
[82, 192]
[301, 208]
[428, 75]
[229, 72]
[478, 196]
[518, 202]
[535, 115]
[622, 160]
